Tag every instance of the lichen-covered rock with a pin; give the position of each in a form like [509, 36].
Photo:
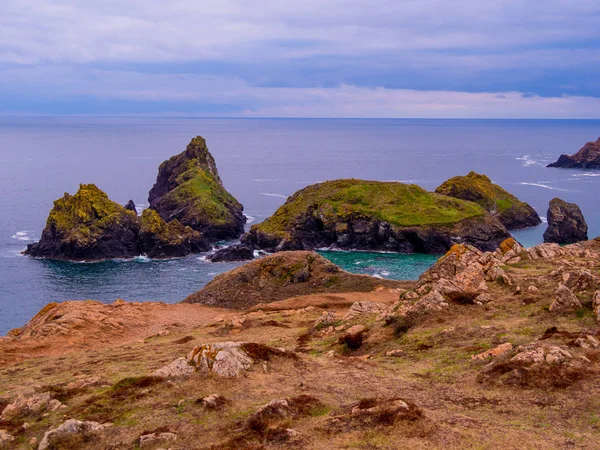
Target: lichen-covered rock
[159, 239]
[188, 188]
[224, 359]
[71, 426]
[373, 215]
[233, 253]
[87, 226]
[509, 210]
[566, 224]
[588, 157]
[30, 403]
[564, 299]
[177, 368]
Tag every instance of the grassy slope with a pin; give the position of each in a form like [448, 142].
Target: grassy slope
[402, 205]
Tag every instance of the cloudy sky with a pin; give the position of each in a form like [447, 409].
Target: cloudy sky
[307, 58]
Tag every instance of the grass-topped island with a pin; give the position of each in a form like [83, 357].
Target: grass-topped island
[375, 215]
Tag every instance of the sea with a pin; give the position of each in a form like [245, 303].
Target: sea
[261, 162]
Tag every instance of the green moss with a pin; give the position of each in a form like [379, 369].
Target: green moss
[399, 204]
[84, 216]
[479, 189]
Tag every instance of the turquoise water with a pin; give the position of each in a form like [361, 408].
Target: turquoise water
[384, 265]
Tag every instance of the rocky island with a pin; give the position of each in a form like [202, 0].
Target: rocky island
[188, 188]
[588, 157]
[508, 209]
[375, 215]
[189, 209]
[88, 226]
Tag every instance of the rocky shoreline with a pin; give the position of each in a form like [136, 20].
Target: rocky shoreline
[588, 157]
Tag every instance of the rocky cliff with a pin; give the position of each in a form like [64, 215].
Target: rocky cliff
[588, 157]
[188, 188]
[507, 208]
[374, 215]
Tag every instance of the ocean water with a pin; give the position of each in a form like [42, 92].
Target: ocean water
[261, 162]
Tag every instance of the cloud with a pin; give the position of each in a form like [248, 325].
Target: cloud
[238, 54]
[170, 94]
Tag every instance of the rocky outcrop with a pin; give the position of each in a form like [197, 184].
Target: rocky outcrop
[280, 276]
[88, 226]
[566, 224]
[564, 300]
[159, 239]
[373, 215]
[233, 253]
[188, 188]
[507, 208]
[223, 359]
[588, 157]
[71, 426]
[130, 206]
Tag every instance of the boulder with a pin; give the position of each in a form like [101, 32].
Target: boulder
[188, 188]
[151, 440]
[353, 337]
[374, 215]
[509, 210]
[177, 368]
[30, 403]
[362, 310]
[225, 359]
[564, 300]
[494, 352]
[566, 224]
[588, 157]
[233, 253]
[214, 401]
[596, 305]
[159, 239]
[71, 426]
[87, 226]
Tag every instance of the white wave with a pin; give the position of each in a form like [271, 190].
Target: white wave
[142, 258]
[267, 180]
[250, 219]
[268, 194]
[202, 258]
[376, 275]
[545, 186]
[527, 161]
[22, 236]
[578, 175]
[543, 219]
[385, 273]
[212, 274]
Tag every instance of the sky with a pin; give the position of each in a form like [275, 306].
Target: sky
[307, 58]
